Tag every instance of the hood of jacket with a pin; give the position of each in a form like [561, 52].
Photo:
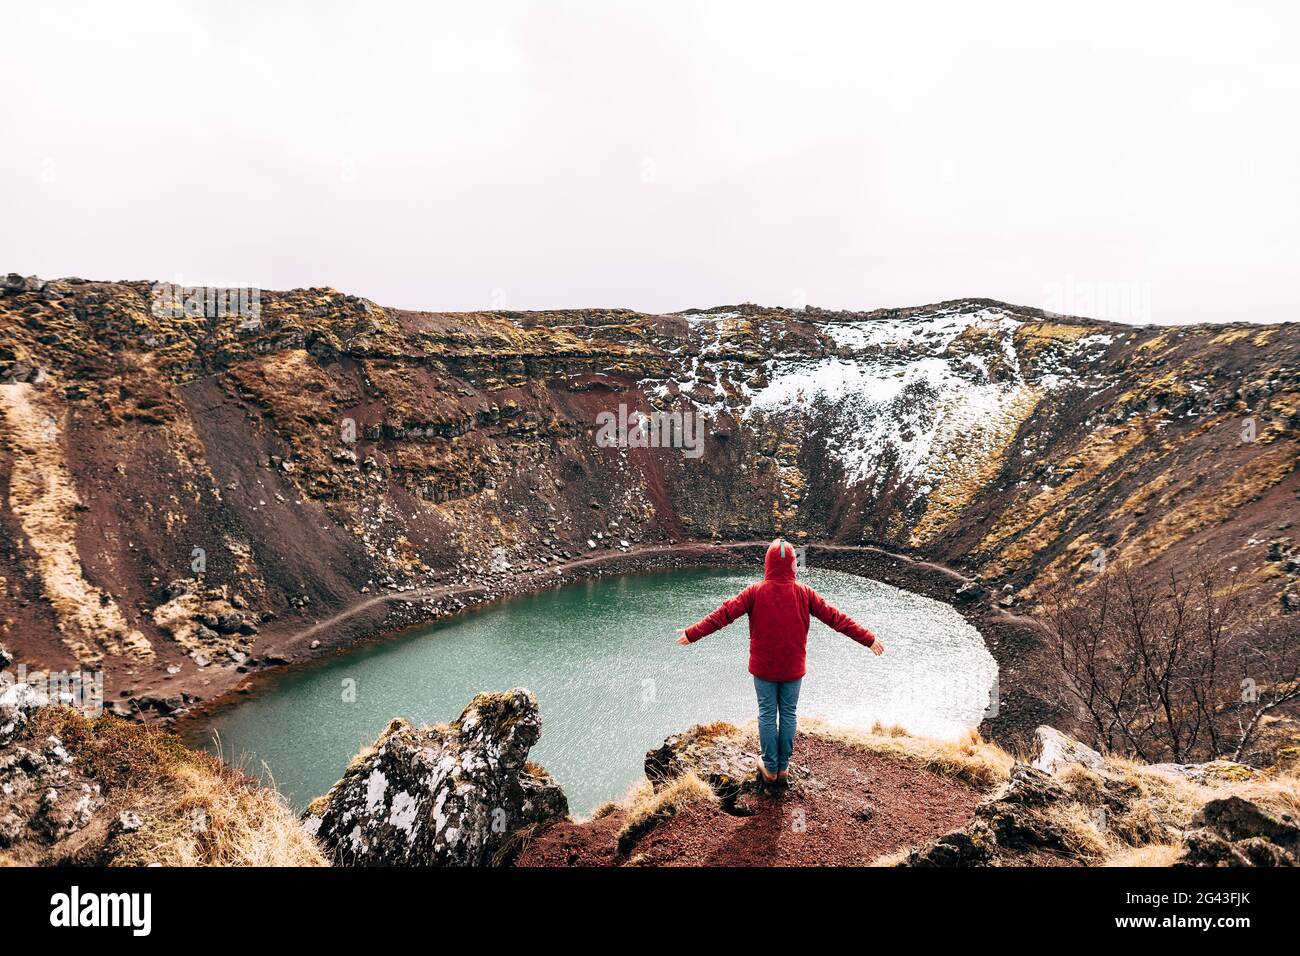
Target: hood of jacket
[780, 561]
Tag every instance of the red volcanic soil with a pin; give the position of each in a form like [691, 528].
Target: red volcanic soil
[857, 807]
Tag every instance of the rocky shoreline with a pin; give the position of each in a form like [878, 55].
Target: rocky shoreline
[1013, 640]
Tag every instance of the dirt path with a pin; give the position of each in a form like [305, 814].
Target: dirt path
[683, 548]
[452, 590]
[859, 806]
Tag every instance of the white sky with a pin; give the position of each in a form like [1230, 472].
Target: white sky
[1129, 160]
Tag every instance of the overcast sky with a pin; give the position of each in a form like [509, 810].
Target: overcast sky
[1130, 160]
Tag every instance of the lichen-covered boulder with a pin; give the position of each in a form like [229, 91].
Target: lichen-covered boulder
[455, 795]
[1054, 751]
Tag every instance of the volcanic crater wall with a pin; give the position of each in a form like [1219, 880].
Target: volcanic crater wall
[173, 485]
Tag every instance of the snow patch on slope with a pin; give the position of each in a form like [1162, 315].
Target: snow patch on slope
[903, 404]
[919, 399]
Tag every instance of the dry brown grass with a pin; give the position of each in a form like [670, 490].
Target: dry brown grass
[646, 807]
[196, 811]
[895, 858]
[956, 481]
[1159, 806]
[1080, 831]
[215, 820]
[1022, 532]
[970, 759]
[718, 730]
[516, 843]
[1153, 854]
[1203, 505]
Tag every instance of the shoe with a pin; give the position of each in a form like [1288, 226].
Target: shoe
[782, 782]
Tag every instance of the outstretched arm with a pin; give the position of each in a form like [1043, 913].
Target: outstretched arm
[731, 609]
[834, 618]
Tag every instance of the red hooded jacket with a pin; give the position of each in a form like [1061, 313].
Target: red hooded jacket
[779, 609]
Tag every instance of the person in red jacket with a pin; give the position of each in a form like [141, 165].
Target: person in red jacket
[779, 608]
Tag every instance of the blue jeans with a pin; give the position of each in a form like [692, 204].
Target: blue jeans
[776, 699]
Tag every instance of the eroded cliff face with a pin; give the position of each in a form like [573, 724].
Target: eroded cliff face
[176, 486]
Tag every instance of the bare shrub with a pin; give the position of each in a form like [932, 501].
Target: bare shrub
[1172, 667]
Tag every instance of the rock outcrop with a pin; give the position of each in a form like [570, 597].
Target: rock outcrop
[1066, 805]
[719, 755]
[1019, 820]
[861, 797]
[455, 795]
[42, 798]
[1232, 831]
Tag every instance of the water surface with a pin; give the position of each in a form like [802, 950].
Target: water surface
[611, 681]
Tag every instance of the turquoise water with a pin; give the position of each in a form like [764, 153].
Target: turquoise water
[602, 659]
